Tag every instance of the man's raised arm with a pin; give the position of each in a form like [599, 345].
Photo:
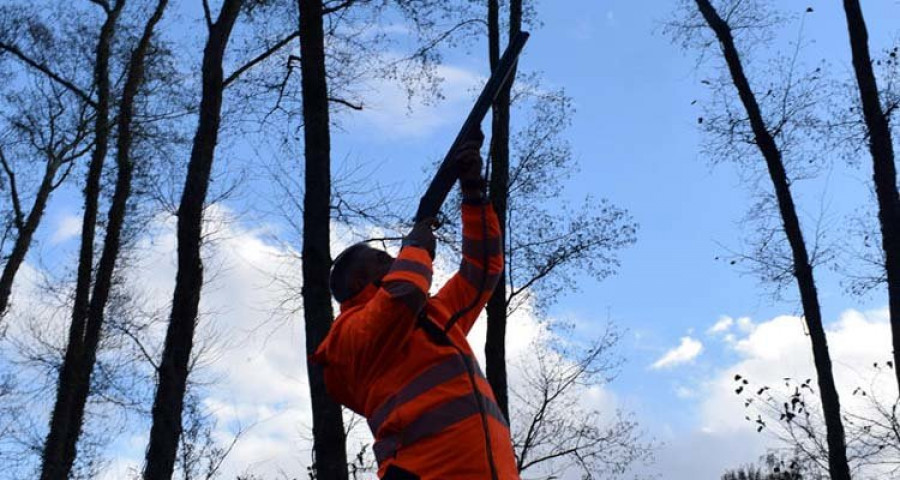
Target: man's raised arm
[467, 292]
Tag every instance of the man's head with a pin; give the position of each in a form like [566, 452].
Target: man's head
[355, 268]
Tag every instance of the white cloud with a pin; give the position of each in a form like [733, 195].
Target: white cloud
[746, 325]
[685, 352]
[767, 352]
[780, 348]
[723, 325]
[772, 350]
[67, 227]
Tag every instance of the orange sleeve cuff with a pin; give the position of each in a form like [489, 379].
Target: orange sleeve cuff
[413, 265]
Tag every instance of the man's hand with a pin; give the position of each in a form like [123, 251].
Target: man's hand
[469, 164]
[422, 236]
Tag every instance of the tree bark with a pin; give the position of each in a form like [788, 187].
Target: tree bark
[173, 369]
[68, 413]
[885, 173]
[803, 271]
[25, 234]
[59, 448]
[329, 442]
[495, 344]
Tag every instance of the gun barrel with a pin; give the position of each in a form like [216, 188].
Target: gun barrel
[443, 181]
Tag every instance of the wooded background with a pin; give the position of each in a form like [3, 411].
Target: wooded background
[197, 143]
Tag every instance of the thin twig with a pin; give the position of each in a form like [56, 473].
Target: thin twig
[259, 58]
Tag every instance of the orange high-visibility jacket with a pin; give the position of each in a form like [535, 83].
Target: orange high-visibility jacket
[389, 358]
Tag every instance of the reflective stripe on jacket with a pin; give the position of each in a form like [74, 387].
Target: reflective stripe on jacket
[390, 358]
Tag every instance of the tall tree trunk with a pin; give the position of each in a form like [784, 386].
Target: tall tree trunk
[25, 234]
[59, 449]
[173, 369]
[495, 344]
[885, 174]
[70, 412]
[329, 442]
[803, 271]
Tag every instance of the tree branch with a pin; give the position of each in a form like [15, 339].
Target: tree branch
[146, 354]
[46, 71]
[207, 14]
[338, 7]
[346, 103]
[13, 192]
[443, 36]
[259, 58]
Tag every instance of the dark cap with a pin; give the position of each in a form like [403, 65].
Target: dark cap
[340, 268]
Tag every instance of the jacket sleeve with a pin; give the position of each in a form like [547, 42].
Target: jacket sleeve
[389, 317]
[481, 235]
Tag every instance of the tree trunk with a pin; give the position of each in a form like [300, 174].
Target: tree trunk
[803, 271]
[329, 442]
[495, 344]
[25, 234]
[885, 173]
[59, 449]
[70, 411]
[173, 370]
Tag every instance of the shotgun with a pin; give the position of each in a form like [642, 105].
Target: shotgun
[443, 180]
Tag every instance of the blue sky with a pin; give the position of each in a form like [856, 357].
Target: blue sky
[635, 136]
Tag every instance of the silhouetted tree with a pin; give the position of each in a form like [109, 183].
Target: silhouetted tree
[29, 40]
[763, 135]
[495, 345]
[81, 353]
[329, 446]
[43, 128]
[881, 148]
[775, 469]
[59, 450]
[555, 430]
[791, 412]
[173, 368]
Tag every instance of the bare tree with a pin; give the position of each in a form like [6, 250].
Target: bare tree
[81, 354]
[27, 40]
[881, 148]
[555, 428]
[495, 345]
[772, 467]
[59, 450]
[749, 18]
[325, 75]
[200, 456]
[329, 446]
[528, 168]
[173, 368]
[790, 412]
[43, 129]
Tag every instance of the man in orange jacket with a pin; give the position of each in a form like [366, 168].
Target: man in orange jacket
[400, 357]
